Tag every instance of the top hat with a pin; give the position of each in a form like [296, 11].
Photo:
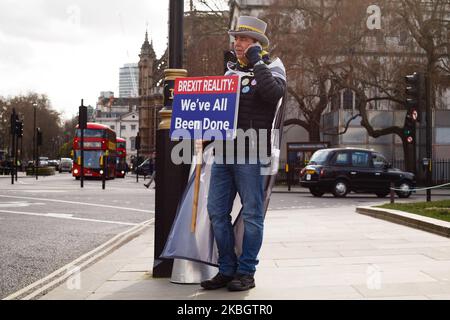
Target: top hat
[251, 27]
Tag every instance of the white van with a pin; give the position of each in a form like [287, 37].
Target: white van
[65, 165]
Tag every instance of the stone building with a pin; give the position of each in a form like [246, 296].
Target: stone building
[150, 97]
[121, 115]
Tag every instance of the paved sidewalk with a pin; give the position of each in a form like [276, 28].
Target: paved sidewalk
[331, 253]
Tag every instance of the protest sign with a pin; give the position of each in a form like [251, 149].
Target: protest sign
[205, 107]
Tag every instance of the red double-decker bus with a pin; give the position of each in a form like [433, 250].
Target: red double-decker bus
[121, 158]
[99, 140]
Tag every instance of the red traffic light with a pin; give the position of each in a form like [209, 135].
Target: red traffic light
[410, 139]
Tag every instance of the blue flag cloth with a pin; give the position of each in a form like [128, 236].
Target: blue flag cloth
[200, 246]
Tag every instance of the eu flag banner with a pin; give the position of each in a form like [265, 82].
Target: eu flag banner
[205, 108]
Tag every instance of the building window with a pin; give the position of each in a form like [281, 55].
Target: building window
[348, 99]
[133, 127]
[133, 143]
[122, 127]
[113, 127]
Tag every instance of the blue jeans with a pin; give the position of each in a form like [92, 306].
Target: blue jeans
[226, 180]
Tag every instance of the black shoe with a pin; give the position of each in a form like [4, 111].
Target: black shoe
[217, 282]
[241, 282]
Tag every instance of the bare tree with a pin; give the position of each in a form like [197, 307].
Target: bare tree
[311, 37]
[428, 22]
[327, 47]
[206, 39]
[47, 118]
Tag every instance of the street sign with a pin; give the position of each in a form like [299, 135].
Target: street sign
[205, 107]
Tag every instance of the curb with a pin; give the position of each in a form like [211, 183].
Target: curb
[56, 278]
[441, 228]
[287, 192]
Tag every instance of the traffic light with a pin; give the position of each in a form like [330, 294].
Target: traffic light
[14, 123]
[39, 137]
[138, 142]
[82, 117]
[413, 92]
[19, 129]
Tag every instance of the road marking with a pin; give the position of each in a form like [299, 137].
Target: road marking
[18, 204]
[81, 203]
[67, 216]
[45, 191]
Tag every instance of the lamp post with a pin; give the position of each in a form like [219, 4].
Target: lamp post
[34, 141]
[171, 179]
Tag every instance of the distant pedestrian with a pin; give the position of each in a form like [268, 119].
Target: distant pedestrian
[152, 169]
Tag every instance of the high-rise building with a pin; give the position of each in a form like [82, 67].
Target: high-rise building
[129, 81]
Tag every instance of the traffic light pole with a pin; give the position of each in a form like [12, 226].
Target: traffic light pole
[137, 143]
[21, 148]
[429, 135]
[137, 165]
[13, 141]
[38, 144]
[104, 165]
[82, 124]
[15, 154]
[35, 143]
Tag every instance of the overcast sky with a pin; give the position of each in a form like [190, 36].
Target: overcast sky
[73, 49]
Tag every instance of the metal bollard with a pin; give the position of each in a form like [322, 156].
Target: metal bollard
[392, 195]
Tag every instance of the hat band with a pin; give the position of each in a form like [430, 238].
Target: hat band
[248, 28]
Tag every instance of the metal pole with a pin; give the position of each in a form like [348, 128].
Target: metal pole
[137, 165]
[21, 152]
[105, 159]
[37, 161]
[171, 179]
[392, 195]
[176, 41]
[288, 176]
[16, 157]
[429, 134]
[34, 142]
[13, 137]
[82, 153]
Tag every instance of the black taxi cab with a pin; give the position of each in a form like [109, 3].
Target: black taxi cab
[344, 170]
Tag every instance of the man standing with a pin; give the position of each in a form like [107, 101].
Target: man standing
[263, 84]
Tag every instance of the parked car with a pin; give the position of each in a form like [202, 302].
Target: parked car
[5, 167]
[43, 162]
[65, 165]
[54, 163]
[342, 170]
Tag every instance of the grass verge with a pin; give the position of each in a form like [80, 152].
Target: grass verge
[434, 209]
